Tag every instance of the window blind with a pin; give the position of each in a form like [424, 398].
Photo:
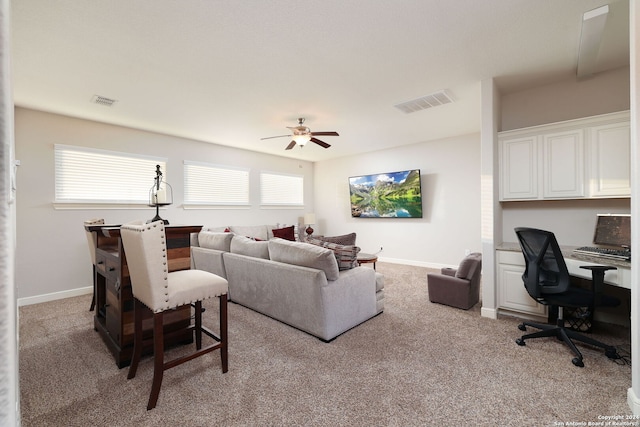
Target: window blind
[208, 184]
[84, 175]
[281, 190]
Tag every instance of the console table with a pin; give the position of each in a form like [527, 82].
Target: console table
[114, 300]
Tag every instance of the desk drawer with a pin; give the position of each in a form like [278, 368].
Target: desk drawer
[107, 264]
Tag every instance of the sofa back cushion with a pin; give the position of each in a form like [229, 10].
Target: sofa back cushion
[256, 231]
[245, 246]
[346, 255]
[215, 240]
[470, 266]
[306, 255]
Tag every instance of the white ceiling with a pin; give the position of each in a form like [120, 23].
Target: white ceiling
[232, 71]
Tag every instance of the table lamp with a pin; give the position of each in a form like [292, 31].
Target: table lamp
[309, 219]
[160, 194]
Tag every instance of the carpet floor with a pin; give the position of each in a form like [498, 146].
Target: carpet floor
[416, 364]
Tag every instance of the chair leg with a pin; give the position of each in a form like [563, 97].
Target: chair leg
[224, 349]
[93, 300]
[138, 308]
[198, 324]
[158, 359]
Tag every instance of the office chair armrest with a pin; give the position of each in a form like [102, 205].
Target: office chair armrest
[597, 278]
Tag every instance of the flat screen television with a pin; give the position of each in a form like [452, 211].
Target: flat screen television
[386, 195]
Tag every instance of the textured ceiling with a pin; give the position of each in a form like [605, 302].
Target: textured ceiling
[232, 71]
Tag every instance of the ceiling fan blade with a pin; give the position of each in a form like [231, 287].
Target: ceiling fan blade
[291, 145]
[320, 143]
[324, 133]
[279, 136]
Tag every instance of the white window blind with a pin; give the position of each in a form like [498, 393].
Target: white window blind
[207, 184]
[84, 175]
[281, 190]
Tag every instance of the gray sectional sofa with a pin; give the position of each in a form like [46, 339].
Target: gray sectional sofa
[294, 282]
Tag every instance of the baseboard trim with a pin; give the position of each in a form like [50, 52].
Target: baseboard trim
[491, 313]
[415, 263]
[633, 401]
[55, 296]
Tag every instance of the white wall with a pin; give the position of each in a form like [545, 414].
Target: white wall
[567, 99]
[450, 172]
[52, 254]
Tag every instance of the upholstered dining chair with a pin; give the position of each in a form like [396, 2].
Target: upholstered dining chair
[157, 290]
[459, 287]
[92, 242]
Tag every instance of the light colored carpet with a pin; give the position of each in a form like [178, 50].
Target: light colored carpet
[417, 364]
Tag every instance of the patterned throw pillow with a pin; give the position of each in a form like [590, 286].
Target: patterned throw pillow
[346, 255]
[345, 239]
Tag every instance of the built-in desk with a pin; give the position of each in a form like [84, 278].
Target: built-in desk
[114, 300]
[512, 295]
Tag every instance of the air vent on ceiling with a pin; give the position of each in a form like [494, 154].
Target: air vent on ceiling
[101, 100]
[432, 100]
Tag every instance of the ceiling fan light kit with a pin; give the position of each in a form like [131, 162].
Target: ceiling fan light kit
[302, 134]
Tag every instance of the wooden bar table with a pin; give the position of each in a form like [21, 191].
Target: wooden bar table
[114, 300]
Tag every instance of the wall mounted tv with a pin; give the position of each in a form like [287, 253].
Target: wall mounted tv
[386, 195]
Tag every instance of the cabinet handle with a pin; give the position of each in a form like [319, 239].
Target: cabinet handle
[112, 268]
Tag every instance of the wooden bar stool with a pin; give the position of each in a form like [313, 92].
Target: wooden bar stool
[157, 290]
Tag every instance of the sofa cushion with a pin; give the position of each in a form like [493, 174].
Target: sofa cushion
[255, 231]
[246, 246]
[214, 240]
[304, 254]
[345, 239]
[346, 255]
[222, 229]
[286, 233]
[468, 266]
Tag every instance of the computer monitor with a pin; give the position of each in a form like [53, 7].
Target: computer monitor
[613, 230]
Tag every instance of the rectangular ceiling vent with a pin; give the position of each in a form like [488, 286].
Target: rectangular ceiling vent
[432, 100]
[101, 100]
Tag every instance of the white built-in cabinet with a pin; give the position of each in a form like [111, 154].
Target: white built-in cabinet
[576, 159]
[512, 295]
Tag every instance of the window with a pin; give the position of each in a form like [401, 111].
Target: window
[213, 185]
[87, 176]
[281, 190]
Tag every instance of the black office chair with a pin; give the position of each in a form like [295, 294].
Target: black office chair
[547, 280]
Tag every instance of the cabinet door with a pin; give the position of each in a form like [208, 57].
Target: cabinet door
[511, 292]
[519, 168]
[610, 154]
[563, 164]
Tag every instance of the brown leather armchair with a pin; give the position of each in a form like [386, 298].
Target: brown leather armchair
[457, 287]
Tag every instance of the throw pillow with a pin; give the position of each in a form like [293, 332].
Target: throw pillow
[212, 240]
[285, 233]
[346, 255]
[345, 239]
[303, 254]
[250, 247]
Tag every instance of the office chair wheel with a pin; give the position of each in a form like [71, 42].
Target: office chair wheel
[520, 342]
[612, 353]
[578, 362]
[522, 327]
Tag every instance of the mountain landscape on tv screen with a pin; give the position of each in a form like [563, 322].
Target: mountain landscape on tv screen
[386, 195]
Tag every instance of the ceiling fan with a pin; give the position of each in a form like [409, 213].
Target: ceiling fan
[302, 134]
